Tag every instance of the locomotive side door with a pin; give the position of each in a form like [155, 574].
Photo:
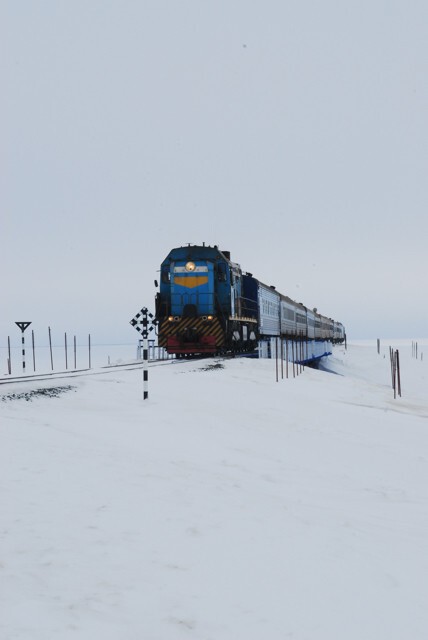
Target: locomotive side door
[235, 291]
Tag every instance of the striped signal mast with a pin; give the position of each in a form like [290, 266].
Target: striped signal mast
[143, 322]
[23, 326]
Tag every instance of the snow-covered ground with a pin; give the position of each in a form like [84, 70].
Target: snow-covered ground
[228, 506]
[41, 362]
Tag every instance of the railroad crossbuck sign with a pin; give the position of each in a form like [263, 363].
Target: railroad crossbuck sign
[143, 322]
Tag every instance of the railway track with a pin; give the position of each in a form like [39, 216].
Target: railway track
[77, 373]
[111, 368]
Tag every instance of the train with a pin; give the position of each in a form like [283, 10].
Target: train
[206, 305]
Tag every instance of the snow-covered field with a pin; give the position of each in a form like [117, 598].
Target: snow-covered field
[228, 506]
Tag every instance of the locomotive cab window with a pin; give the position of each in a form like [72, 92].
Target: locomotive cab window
[221, 272]
[165, 276]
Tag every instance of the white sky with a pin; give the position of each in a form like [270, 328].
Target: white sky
[293, 134]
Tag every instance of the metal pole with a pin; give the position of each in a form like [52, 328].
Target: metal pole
[23, 326]
[75, 353]
[142, 326]
[66, 354]
[282, 358]
[286, 357]
[89, 348]
[294, 364]
[145, 356]
[276, 358]
[23, 352]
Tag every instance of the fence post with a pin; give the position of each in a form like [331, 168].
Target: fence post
[398, 372]
[50, 347]
[9, 360]
[34, 351]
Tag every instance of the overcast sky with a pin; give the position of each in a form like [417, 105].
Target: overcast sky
[291, 133]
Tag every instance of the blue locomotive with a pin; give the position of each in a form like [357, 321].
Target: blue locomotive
[207, 305]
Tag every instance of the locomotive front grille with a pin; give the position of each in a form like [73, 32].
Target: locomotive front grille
[185, 328]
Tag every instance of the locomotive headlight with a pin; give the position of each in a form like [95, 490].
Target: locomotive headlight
[170, 319]
[190, 266]
[209, 317]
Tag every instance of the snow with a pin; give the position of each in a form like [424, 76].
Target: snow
[227, 506]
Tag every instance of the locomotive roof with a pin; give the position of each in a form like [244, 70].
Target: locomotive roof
[189, 252]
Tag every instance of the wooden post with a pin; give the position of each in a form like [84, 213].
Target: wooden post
[89, 348]
[50, 346]
[378, 345]
[66, 351]
[394, 373]
[398, 372]
[75, 353]
[34, 351]
[9, 359]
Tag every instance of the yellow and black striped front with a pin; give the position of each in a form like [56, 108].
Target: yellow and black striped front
[191, 331]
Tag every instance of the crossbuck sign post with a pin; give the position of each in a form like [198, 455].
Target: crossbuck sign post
[144, 322]
[23, 326]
